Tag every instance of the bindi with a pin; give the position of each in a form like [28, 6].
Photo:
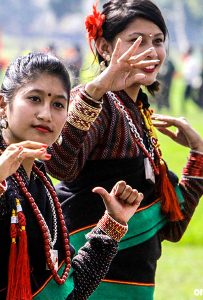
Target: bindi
[49, 94]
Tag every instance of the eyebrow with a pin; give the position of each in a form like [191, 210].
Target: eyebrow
[42, 92]
[145, 34]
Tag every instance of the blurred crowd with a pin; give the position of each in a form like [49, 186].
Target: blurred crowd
[189, 71]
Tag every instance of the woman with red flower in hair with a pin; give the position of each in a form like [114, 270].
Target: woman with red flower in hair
[110, 135]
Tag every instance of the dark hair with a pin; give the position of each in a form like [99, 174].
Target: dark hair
[27, 68]
[119, 14]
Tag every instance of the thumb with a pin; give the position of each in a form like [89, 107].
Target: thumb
[102, 192]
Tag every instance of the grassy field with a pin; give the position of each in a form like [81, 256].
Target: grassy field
[179, 271]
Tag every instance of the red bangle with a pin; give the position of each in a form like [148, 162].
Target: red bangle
[194, 167]
[3, 187]
[112, 228]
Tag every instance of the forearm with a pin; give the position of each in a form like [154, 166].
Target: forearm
[93, 260]
[191, 186]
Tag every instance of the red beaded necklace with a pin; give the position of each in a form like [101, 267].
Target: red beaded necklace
[43, 226]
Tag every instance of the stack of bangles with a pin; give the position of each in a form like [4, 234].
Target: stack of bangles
[194, 167]
[83, 110]
[3, 187]
[112, 228]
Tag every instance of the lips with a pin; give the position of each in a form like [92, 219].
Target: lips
[43, 128]
[149, 69]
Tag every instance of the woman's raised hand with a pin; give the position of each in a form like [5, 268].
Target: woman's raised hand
[123, 70]
[184, 135]
[122, 202]
[13, 156]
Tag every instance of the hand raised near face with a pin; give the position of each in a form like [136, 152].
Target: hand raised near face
[123, 70]
[122, 202]
[14, 155]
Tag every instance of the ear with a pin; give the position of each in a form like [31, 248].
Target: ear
[103, 46]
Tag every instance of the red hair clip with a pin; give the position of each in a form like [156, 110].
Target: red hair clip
[93, 24]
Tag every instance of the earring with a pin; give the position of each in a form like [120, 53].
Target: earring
[3, 123]
[59, 140]
[108, 57]
[103, 64]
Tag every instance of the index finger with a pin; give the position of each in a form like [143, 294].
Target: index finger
[32, 145]
[126, 55]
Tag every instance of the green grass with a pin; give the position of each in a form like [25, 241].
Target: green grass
[179, 270]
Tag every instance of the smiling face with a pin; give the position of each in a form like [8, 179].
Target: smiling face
[38, 111]
[152, 36]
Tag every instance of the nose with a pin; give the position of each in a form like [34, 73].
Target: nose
[153, 54]
[44, 113]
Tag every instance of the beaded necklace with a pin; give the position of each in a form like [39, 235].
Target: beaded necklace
[48, 243]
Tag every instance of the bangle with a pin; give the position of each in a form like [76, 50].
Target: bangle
[3, 187]
[194, 167]
[81, 115]
[112, 228]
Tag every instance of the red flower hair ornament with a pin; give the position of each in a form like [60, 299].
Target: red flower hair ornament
[93, 24]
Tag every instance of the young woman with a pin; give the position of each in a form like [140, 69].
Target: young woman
[35, 255]
[109, 134]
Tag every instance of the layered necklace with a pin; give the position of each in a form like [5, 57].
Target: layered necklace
[50, 254]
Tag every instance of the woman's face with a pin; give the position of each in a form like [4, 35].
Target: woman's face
[38, 111]
[152, 36]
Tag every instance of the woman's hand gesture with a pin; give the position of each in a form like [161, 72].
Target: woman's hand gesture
[122, 71]
[14, 155]
[184, 135]
[122, 202]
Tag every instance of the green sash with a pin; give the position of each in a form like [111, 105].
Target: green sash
[52, 290]
[122, 292]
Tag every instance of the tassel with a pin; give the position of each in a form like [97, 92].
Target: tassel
[23, 285]
[12, 257]
[169, 205]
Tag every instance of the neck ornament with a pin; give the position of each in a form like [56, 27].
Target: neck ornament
[56, 210]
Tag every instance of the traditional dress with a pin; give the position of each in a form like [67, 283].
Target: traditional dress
[100, 152]
[88, 266]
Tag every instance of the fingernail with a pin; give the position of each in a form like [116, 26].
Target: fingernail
[152, 48]
[20, 148]
[139, 37]
[47, 155]
[44, 145]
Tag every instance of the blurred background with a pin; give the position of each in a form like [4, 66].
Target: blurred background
[58, 26]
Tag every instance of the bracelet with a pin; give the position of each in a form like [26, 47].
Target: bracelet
[81, 115]
[86, 95]
[112, 228]
[194, 167]
[3, 187]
